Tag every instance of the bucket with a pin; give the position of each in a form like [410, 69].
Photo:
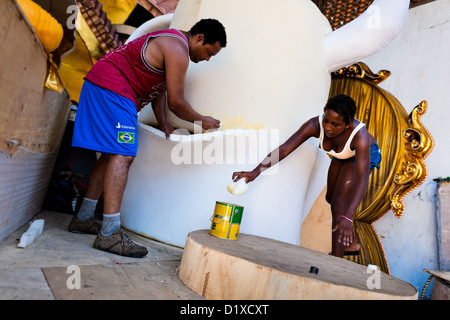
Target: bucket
[226, 221]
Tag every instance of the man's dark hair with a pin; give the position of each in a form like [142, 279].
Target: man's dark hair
[343, 105]
[213, 31]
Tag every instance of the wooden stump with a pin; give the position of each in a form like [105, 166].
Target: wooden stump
[259, 268]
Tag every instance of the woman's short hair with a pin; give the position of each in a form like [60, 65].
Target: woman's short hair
[343, 105]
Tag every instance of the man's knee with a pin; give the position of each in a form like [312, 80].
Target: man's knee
[121, 159]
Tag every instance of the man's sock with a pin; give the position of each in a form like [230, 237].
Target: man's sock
[110, 224]
[87, 209]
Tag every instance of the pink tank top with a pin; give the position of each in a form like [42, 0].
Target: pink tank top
[125, 70]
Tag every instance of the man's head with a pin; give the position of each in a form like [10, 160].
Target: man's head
[206, 38]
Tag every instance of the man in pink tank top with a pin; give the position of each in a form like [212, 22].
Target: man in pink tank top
[151, 68]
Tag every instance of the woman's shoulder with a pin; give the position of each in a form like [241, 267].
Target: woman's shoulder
[363, 137]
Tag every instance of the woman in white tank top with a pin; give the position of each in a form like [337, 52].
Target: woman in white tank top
[354, 154]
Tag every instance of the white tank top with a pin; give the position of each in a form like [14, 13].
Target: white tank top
[346, 153]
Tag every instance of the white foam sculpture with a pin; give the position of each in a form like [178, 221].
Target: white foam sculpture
[273, 75]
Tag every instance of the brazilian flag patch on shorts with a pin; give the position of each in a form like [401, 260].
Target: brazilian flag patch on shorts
[125, 137]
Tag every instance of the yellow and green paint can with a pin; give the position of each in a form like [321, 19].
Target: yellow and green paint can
[226, 220]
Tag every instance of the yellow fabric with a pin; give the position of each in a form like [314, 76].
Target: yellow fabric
[118, 10]
[53, 80]
[47, 28]
[74, 68]
[91, 43]
[77, 64]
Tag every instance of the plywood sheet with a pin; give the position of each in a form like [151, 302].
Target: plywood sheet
[131, 281]
[316, 228]
[24, 284]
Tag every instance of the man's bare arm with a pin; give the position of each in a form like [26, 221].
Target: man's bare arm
[176, 62]
[159, 109]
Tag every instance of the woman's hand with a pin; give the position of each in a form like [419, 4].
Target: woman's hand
[345, 228]
[247, 175]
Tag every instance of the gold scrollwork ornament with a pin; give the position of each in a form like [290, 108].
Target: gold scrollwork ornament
[419, 143]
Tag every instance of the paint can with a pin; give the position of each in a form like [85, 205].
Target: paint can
[226, 220]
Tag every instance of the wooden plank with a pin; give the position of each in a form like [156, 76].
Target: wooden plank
[441, 290]
[259, 268]
[130, 281]
[439, 274]
[24, 284]
[316, 227]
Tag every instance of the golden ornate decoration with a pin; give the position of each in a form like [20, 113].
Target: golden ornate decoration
[362, 71]
[404, 144]
[419, 143]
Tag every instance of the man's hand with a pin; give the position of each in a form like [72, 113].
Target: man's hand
[167, 129]
[159, 110]
[210, 123]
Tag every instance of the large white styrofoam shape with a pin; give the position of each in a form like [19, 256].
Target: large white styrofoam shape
[273, 75]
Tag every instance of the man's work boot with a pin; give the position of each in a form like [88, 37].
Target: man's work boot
[91, 226]
[119, 243]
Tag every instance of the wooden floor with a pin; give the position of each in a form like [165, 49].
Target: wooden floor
[130, 281]
[41, 270]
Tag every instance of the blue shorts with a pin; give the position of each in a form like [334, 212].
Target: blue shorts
[105, 122]
[375, 157]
